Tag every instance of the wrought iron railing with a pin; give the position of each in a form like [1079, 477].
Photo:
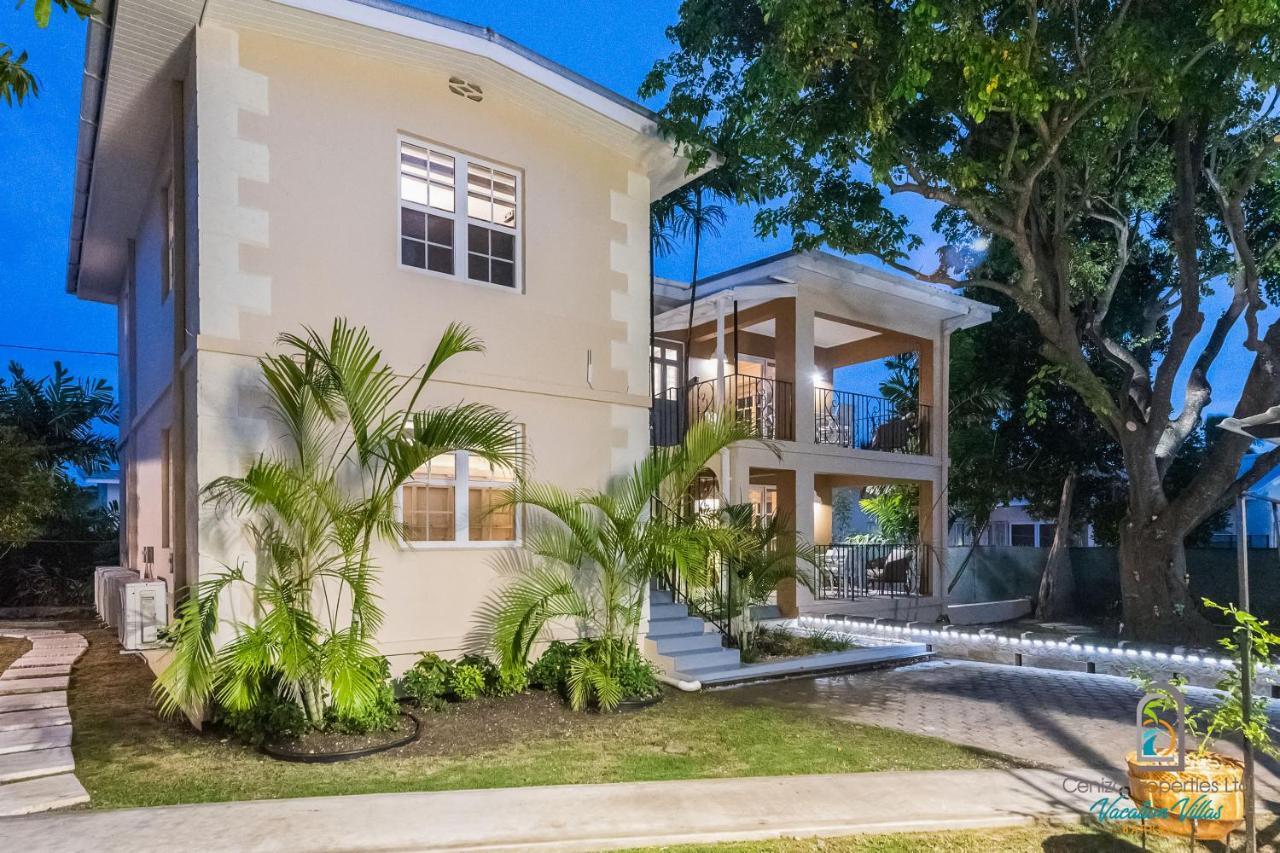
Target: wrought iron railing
[712, 599]
[846, 419]
[881, 569]
[768, 405]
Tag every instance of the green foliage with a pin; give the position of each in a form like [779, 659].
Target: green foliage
[378, 715]
[895, 510]
[467, 682]
[510, 683]
[52, 532]
[589, 556]
[1105, 169]
[427, 681]
[551, 670]
[1226, 716]
[313, 508]
[638, 679]
[274, 718]
[16, 80]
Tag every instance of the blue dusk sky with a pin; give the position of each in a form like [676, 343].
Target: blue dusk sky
[614, 43]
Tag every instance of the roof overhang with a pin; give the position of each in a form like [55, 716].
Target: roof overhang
[136, 46]
[777, 276]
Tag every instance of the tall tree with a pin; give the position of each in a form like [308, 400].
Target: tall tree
[1082, 133]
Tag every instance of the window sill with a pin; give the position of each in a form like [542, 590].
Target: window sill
[517, 290]
[461, 546]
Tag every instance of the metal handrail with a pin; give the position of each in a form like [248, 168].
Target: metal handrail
[864, 422]
[888, 569]
[767, 405]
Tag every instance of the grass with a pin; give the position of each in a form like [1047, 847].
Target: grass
[1038, 838]
[126, 756]
[11, 650]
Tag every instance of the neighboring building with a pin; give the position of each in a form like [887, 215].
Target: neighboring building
[1012, 525]
[1262, 509]
[248, 167]
[766, 340]
[105, 486]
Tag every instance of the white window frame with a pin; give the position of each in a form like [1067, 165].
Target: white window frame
[461, 484]
[461, 219]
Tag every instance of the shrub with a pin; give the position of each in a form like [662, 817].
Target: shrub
[376, 716]
[272, 718]
[637, 678]
[487, 667]
[510, 683]
[551, 670]
[427, 681]
[467, 683]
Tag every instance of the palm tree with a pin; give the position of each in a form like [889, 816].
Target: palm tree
[768, 553]
[691, 211]
[315, 507]
[59, 415]
[592, 556]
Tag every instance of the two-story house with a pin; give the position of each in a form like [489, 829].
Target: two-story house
[249, 167]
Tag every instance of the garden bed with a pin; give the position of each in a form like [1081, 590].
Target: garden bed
[774, 644]
[126, 756]
[323, 747]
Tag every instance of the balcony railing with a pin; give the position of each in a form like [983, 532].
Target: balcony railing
[863, 422]
[768, 405]
[847, 572]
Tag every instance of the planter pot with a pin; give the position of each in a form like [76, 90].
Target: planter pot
[1205, 800]
[281, 753]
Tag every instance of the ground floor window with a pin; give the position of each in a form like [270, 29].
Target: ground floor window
[1022, 535]
[459, 498]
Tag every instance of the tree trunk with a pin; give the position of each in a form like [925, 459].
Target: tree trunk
[1157, 603]
[1057, 598]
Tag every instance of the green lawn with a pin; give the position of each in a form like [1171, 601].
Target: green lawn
[11, 650]
[1038, 838]
[126, 756]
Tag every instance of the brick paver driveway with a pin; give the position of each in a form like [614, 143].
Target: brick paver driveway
[1060, 719]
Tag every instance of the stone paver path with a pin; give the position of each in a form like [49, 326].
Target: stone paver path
[1050, 717]
[36, 766]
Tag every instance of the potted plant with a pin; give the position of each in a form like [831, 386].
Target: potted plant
[1206, 797]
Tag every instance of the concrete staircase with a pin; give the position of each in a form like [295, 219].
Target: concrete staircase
[688, 648]
[683, 645]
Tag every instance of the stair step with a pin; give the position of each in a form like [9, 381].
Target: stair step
[667, 611]
[660, 596]
[676, 643]
[701, 659]
[670, 627]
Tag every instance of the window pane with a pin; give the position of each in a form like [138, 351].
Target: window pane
[413, 223]
[502, 245]
[413, 253]
[428, 513]
[427, 177]
[488, 522]
[491, 195]
[1023, 535]
[478, 239]
[503, 273]
[481, 469]
[440, 260]
[442, 467]
[477, 267]
[440, 230]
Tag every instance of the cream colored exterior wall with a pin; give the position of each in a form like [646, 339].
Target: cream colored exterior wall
[298, 211]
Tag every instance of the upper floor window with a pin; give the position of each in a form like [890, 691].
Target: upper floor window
[167, 258]
[458, 215]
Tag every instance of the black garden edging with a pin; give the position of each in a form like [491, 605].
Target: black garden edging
[334, 757]
[639, 704]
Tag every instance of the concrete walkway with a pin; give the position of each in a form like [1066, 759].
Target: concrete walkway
[36, 767]
[579, 817]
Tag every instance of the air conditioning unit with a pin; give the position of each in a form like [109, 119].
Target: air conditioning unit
[144, 610]
[106, 592]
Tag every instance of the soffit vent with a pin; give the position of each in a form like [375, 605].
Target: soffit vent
[470, 91]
